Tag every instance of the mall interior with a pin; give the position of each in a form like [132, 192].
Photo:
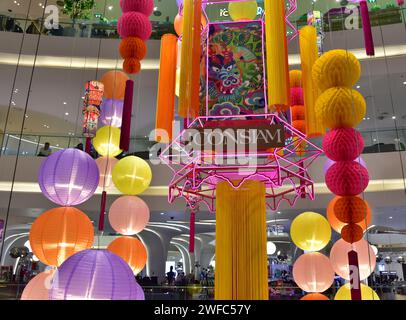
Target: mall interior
[123, 174]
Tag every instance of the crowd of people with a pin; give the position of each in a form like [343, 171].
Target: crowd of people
[46, 150]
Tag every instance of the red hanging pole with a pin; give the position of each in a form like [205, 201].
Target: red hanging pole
[102, 211]
[127, 112]
[88, 145]
[366, 27]
[355, 282]
[192, 232]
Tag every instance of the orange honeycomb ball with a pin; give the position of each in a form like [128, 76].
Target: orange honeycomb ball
[133, 47]
[298, 113]
[352, 233]
[132, 65]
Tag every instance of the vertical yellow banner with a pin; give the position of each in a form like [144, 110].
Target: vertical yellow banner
[197, 52]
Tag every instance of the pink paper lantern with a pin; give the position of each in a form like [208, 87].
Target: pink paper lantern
[347, 178]
[296, 96]
[144, 6]
[339, 258]
[312, 272]
[129, 215]
[106, 165]
[134, 24]
[343, 144]
[38, 287]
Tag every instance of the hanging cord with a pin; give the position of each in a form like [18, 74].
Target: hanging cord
[23, 122]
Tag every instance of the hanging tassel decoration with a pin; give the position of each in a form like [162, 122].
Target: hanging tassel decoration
[366, 27]
[192, 232]
[355, 283]
[102, 210]
[127, 112]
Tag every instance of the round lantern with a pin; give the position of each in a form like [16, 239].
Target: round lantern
[107, 141]
[312, 272]
[340, 107]
[68, 177]
[129, 215]
[144, 6]
[352, 233]
[343, 144]
[132, 175]
[131, 250]
[367, 293]
[140, 292]
[375, 249]
[114, 84]
[310, 231]
[243, 10]
[178, 24]
[94, 275]
[38, 287]
[59, 233]
[106, 166]
[299, 125]
[298, 112]
[347, 178]
[134, 24]
[339, 258]
[133, 47]
[314, 296]
[132, 65]
[352, 208]
[270, 248]
[111, 113]
[336, 68]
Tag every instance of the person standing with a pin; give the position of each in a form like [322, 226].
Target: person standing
[170, 276]
[45, 151]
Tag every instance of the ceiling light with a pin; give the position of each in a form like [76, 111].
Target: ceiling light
[358, 87]
[404, 82]
[394, 117]
[66, 113]
[162, 213]
[65, 102]
[155, 8]
[390, 218]
[110, 7]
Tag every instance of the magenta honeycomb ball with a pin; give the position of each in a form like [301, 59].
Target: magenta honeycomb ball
[296, 96]
[347, 178]
[134, 24]
[144, 6]
[343, 144]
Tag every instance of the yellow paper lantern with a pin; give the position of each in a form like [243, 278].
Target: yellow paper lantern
[367, 293]
[132, 175]
[310, 231]
[336, 68]
[107, 141]
[340, 107]
[243, 10]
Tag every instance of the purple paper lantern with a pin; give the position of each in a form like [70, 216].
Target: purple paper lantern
[68, 177]
[95, 275]
[112, 113]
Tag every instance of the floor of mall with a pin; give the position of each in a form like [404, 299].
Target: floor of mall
[202, 150]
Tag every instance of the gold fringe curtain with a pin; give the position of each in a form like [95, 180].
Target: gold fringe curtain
[197, 52]
[241, 259]
[309, 54]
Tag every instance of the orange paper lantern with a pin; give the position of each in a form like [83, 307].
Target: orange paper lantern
[133, 47]
[59, 233]
[337, 225]
[352, 233]
[299, 125]
[314, 296]
[351, 209]
[131, 66]
[130, 250]
[298, 113]
[114, 84]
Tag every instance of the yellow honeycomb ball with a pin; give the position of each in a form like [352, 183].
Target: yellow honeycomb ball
[340, 107]
[336, 68]
[295, 78]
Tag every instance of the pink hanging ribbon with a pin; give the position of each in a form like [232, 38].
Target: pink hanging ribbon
[88, 145]
[366, 27]
[127, 111]
[102, 211]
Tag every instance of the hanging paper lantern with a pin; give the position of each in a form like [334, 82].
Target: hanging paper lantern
[339, 258]
[298, 112]
[310, 231]
[296, 96]
[337, 225]
[144, 6]
[131, 250]
[367, 293]
[340, 107]
[347, 178]
[352, 209]
[38, 287]
[94, 93]
[94, 275]
[314, 296]
[270, 248]
[295, 78]
[129, 215]
[134, 24]
[132, 175]
[59, 233]
[111, 113]
[133, 47]
[312, 272]
[352, 233]
[114, 84]
[131, 65]
[140, 292]
[90, 119]
[336, 68]
[106, 166]
[343, 144]
[178, 24]
[299, 125]
[243, 10]
[107, 141]
[68, 177]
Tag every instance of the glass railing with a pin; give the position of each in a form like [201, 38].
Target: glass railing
[333, 20]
